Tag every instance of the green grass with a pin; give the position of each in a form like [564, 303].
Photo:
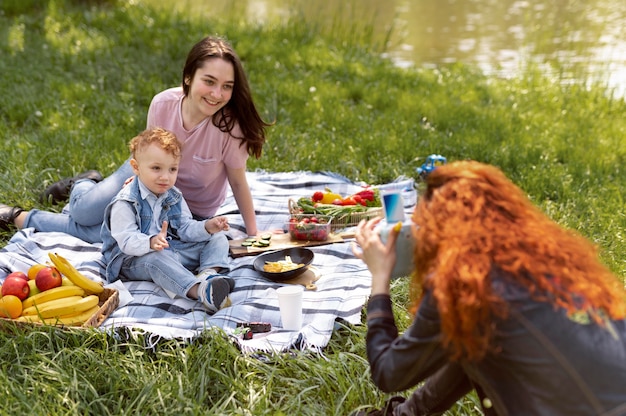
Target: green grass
[77, 78]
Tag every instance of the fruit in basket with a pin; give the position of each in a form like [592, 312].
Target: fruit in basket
[21, 275]
[33, 288]
[74, 275]
[10, 306]
[48, 278]
[15, 286]
[52, 294]
[67, 306]
[68, 320]
[34, 269]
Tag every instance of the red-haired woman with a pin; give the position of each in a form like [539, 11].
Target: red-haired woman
[505, 301]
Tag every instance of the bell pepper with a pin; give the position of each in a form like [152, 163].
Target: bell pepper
[359, 200]
[366, 194]
[329, 197]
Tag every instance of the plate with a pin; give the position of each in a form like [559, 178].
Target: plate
[297, 254]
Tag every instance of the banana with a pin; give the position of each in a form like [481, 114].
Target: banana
[38, 308]
[80, 318]
[60, 307]
[66, 320]
[66, 268]
[52, 294]
[65, 281]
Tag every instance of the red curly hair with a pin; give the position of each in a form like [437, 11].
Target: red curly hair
[471, 219]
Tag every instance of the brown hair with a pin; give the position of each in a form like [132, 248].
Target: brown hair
[240, 108]
[472, 219]
[164, 138]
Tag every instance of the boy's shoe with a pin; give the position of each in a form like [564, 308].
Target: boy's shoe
[208, 273]
[213, 292]
[7, 216]
[60, 190]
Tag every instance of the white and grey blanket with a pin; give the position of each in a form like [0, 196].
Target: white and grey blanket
[342, 288]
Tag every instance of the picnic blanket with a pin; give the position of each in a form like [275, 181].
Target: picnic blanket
[342, 288]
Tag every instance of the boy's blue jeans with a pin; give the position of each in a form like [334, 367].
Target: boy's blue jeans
[174, 268]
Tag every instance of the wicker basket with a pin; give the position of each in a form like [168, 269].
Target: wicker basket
[109, 301]
[343, 221]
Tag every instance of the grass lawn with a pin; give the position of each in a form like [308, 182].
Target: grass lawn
[77, 78]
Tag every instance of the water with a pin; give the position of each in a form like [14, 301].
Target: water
[568, 40]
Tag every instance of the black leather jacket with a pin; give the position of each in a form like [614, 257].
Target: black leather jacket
[547, 364]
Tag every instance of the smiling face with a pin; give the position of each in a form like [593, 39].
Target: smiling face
[210, 88]
[156, 167]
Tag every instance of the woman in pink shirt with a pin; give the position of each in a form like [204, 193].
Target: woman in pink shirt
[214, 117]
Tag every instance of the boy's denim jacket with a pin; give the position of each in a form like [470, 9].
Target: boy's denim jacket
[171, 212]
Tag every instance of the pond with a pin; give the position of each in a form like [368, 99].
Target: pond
[568, 40]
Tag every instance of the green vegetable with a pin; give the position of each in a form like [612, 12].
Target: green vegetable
[306, 206]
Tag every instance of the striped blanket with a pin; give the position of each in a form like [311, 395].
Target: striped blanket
[342, 288]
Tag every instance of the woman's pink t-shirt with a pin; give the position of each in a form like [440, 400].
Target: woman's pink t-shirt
[207, 151]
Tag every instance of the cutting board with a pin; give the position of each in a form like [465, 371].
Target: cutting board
[282, 241]
[306, 279]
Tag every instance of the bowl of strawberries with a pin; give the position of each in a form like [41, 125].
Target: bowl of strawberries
[309, 227]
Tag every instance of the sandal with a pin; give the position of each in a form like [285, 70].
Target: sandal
[7, 216]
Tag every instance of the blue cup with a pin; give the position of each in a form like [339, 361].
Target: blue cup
[393, 205]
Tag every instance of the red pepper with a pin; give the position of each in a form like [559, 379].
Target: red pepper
[359, 200]
[348, 201]
[366, 194]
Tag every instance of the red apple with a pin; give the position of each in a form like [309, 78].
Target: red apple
[21, 275]
[48, 278]
[16, 286]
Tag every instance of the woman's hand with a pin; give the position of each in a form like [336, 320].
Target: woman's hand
[159, 241]
[380, 258]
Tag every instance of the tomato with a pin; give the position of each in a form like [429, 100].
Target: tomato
[318, 196]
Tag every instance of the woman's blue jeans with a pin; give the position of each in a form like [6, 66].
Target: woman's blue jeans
[84, 214]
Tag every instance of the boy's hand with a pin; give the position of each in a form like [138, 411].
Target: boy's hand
[159, 241]
[217, 224]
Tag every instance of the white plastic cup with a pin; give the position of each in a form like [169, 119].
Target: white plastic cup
[393, 205]
[405, 247]
[290, 304]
